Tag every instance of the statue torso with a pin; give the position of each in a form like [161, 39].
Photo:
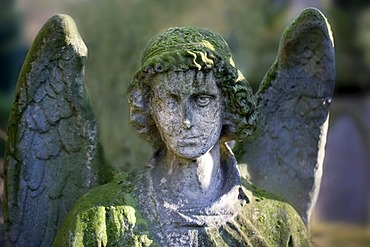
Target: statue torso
[126, 212]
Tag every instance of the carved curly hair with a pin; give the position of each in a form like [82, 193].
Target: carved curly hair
[183, 49]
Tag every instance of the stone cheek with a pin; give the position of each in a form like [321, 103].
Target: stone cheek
[109, 216]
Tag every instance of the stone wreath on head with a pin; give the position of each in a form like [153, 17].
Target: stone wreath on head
[190, 48]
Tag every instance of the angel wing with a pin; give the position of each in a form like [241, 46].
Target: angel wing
[53, 154]
[285, 155]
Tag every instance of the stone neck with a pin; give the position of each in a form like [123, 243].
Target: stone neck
[171, 208]
[188, 182]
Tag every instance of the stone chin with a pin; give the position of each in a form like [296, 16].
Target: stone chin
[189, 151]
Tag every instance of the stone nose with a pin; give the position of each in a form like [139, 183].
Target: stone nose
[187, 121]
[186, 124]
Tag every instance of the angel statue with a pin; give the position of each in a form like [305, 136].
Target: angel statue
[188, 100]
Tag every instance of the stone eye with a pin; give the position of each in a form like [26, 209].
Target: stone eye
[203, 100]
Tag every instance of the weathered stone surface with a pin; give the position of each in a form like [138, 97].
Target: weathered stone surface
[52, 155]
[286, 152]
[109, 215]
[187, 100]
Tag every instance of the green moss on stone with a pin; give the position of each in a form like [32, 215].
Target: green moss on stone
[277, 222]
[268, 79]
[105, 216]
[108, 216]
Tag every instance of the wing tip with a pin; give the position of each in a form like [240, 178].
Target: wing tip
[65, 32]
[309, 18]
[58, 32]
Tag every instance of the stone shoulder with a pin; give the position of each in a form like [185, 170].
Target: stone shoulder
[272, 219]
[105, 216]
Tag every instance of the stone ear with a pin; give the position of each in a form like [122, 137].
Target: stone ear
[139, 95]
[138, 103]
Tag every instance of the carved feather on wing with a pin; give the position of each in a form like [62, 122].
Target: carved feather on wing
[53, 154]
[286, 153]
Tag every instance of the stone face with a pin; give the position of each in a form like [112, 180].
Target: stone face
[187, 111]
[52, 155]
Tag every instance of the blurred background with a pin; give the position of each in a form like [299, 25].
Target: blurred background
[116, 31]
